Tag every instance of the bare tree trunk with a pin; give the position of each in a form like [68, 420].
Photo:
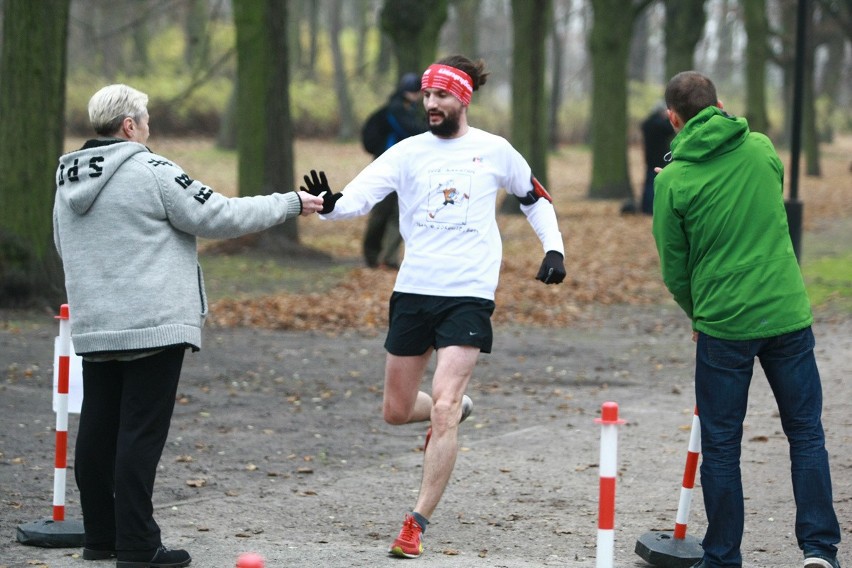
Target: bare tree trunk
[637, 67]
[197, 50]
[279, 129]
[786, 58]
[841, 13]
[346, 126]
[684, 25]
[757, 29]
[832, 82]
[227, 136]
[32, 102]
[468, 27]
[264, 127]
[557, 49]
[414, 27]
[108, 39]
[252, 75]
[278, 171]
[295, 9]
[383, 61]
[609, 45]
[530, 131]
[361, 14]
[724, 67]
[810, 138]
[313, 27]
[141, 61]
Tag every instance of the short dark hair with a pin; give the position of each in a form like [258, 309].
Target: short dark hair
[476, 69]
[690, 92]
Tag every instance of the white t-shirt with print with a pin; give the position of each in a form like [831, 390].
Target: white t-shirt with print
[448, 191]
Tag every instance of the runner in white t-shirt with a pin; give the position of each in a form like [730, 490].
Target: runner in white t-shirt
[448, 181]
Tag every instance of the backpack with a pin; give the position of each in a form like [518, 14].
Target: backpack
[375, 132]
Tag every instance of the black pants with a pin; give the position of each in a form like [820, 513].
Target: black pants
[124, 422]
[381, 238]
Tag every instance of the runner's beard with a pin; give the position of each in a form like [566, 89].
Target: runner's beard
[448, 127]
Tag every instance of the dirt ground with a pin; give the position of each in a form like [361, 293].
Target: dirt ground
[277, 446]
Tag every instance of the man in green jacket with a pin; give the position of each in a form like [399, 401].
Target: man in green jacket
[727, 258]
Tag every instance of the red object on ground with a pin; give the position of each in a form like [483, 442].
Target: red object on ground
[250, 560]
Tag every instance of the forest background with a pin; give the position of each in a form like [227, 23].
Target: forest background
[248, 95]
[246, 83]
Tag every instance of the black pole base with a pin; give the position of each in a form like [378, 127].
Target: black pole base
[794, 210]
[48, 533]
[661, 548]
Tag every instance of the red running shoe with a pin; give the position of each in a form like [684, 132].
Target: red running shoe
[408, 544]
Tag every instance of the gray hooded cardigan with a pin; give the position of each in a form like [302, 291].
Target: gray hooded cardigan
[125, 225]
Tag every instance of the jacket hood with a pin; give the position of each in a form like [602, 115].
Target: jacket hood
[708, 134]
[82, 174]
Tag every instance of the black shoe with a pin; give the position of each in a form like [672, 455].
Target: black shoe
[159, 558]
[97, 554]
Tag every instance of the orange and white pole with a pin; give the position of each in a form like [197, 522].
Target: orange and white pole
[676, 548]
[61, 460]
[609, 422]
[58, 532]
[688, 478]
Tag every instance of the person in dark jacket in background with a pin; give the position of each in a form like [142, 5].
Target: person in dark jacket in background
[657, 134]
[382, 240]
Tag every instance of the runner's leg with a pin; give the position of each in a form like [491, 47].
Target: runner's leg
[452, 374]
[404, 402]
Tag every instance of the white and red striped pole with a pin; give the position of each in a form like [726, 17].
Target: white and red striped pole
[61, 459]
[58, 532]
[671, 549]
[688, 478]
[609, 422]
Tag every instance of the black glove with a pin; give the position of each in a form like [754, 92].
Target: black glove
[317, 184]
[552, 269]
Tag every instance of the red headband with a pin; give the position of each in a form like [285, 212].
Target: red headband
[454, 81]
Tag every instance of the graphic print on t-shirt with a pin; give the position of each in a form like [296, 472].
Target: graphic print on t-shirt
[449, 198]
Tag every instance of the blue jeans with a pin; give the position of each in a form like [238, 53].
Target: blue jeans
[723, 372]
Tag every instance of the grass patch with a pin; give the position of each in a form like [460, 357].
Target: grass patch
[827, 266]
[246, 276]
[829, 282]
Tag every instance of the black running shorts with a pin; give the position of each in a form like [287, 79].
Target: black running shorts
[418, 322]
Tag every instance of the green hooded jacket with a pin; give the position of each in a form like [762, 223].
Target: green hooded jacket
[721, 231]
